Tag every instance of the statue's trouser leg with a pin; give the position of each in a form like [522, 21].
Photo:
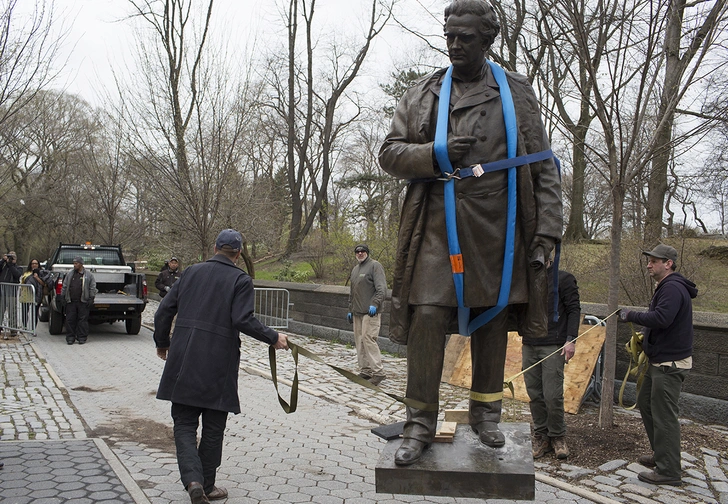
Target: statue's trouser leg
[488, 346]
[425, 354]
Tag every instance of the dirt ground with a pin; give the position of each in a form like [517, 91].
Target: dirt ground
[591, 446]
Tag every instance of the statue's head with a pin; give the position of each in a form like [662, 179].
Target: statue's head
[471, 27]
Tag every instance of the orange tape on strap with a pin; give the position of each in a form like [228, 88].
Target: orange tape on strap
[456, 262]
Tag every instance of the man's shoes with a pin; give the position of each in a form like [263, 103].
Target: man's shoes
[217, 493]
[365, 376]
[542, 446]
[377, 379]
[647, 460]
[658, 479]
[489, 434]
[197, 493]
[81, 341]
[410, 451]
[70, 341]
[559, 444]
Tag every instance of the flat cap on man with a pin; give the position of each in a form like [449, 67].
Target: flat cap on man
[662, 251]
[78, 259]
[230, 238]
[361, 247]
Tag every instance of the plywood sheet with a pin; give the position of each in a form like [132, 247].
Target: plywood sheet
[577, 372]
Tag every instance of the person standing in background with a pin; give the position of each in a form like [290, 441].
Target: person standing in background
[368, 290]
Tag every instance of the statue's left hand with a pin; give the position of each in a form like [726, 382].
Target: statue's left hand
[546, 243]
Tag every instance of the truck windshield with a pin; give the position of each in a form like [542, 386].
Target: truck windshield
[91, 257]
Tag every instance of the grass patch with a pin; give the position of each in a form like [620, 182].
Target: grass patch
[589, 262]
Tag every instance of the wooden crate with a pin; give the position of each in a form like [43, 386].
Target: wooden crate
[577, 373]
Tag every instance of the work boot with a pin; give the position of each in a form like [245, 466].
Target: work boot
[484, 418]
[364, 375]
[419, 433]
[217, 493]
[377, 379]
[541, 446]
[647, 460]
[196, 493]
[658, 479]
[559, 444]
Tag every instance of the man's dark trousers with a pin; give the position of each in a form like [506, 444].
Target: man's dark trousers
[658, 404]
[77, 321]
[198, 463]
[545, 386]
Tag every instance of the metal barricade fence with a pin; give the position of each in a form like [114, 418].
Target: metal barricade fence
[271, 307]
[18, 312]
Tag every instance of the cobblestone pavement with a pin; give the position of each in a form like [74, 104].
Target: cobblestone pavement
[323, 453]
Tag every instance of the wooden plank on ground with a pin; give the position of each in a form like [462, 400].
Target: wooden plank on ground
[457, 415]
[446, 432]
[576, 374]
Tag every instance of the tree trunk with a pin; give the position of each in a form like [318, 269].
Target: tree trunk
[606, 407]
[575, 229]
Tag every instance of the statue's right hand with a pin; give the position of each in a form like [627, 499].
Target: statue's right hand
[458, 146]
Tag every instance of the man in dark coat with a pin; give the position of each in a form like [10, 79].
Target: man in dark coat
[424, 294]
[214, 302]
[545, 381]
[167, 277]
[668, 344]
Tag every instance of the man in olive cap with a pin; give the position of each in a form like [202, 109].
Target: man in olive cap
[668, 344]
[368, 290]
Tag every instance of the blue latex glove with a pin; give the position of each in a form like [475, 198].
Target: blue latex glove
[372, 311]
[350, 318]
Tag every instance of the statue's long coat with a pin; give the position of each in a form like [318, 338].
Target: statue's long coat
[422, 272]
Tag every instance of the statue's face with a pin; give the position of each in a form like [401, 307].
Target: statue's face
[465, 45]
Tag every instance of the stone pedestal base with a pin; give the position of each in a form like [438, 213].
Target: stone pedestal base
[464, 468]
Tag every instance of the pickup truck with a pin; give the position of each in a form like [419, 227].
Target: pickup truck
[122, 293]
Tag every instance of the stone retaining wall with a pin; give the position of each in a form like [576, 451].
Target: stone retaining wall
[320, 311]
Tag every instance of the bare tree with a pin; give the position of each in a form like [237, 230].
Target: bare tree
[687, 44]
[29, 56]
[312, 111]
[189, 116]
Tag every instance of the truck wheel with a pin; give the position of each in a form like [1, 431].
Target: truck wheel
[134, 325]
[55, 324]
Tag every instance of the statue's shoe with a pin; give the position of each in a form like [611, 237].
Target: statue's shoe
[489, 434]
[410, 451]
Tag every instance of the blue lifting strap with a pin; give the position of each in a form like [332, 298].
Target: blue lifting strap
[465, 326]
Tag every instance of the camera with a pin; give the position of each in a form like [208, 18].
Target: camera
[36, 271]
[11, 258]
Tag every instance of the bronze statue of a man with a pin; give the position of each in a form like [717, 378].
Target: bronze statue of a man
[426, 294]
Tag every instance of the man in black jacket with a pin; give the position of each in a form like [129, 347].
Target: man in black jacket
[10, 273]
[668, 344]
[214, 302]
[167, 277]
[545, 382]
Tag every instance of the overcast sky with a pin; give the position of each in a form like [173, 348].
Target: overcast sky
[100, 37]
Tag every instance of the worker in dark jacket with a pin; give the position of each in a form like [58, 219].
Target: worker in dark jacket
[545, 381]
[668, 344]
[167, 277]
[214, 303]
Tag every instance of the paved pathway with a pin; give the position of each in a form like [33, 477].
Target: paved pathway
[323, 453]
